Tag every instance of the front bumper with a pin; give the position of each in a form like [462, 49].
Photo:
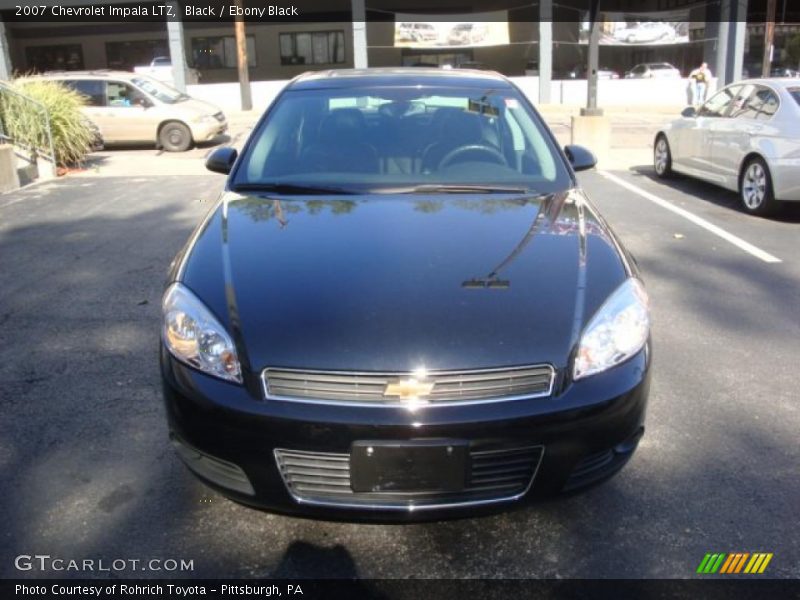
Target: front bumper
[208, 130]
[233, 439]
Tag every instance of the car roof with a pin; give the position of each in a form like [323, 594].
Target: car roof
[96, 74]
[398, 76]
[783, 82]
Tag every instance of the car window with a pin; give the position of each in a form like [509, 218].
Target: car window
[93, 90]
[746, 104]
[390, 137]
[795, 93]
[121, 94]
[754, 102]
[159, 90]
[718, 104]
[769, 103]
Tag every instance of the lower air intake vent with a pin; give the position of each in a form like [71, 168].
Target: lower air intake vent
[495, 475]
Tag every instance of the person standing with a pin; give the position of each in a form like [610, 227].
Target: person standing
[700, 78]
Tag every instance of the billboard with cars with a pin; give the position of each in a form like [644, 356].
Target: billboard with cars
[634, 29]
[482, 29]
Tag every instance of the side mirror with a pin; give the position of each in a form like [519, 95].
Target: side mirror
[689, 112]
[221, 160]
[579, 157]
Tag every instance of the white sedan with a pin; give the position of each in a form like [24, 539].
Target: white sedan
[745, 138]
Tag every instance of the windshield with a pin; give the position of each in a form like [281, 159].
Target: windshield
[160, 91]
[395, 138]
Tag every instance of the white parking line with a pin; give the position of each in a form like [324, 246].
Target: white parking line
[718, 231]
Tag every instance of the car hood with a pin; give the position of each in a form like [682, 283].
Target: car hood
[394, 283]
[199, 107]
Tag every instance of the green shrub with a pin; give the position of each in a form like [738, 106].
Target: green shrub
[25, 123]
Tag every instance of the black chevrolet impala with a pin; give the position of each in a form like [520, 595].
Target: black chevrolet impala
[403, 306]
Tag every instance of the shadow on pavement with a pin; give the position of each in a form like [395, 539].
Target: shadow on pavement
[789, 211]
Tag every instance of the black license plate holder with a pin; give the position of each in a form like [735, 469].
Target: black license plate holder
[409, 466]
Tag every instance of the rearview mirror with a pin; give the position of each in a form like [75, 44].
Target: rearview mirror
[579, 157]
[689, 112]
[221, 160]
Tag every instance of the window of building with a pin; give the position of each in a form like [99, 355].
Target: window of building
[220, 52]
[65, 57]
[126, 55]
[317, 48]
[432, 58]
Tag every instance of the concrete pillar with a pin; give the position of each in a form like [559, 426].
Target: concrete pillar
[5, 56]
[177, 48]
[9, 178]
[591, 128]
[731, 38]
[545, 50]
[737, 34]
[722, 43]
[594, 62]
[359, 15]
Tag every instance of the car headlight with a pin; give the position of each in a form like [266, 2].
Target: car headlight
[617, 331]
[194, 336]
[204, 119]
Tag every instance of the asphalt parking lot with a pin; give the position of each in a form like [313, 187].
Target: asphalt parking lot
[88, 471]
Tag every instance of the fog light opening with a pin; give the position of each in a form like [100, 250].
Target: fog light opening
[221, 472]
[630, 444]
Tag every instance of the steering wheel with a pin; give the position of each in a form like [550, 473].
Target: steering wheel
[451, 156]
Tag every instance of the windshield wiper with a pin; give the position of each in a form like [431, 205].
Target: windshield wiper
[291, 189]
[438, 188]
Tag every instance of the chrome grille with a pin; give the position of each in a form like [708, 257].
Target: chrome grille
[495, 475]
[346, 387]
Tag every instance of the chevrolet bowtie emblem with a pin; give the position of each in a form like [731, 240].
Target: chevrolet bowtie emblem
[408, 389]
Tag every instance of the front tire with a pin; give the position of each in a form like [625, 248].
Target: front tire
[755, 189]
[175, 137]
[662, 157]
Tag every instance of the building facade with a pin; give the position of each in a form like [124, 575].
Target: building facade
[543, 39]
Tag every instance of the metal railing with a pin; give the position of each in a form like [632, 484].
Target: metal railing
[47, 151]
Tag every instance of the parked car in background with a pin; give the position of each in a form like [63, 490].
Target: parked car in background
[580, 72]
[745, 138]
[403, 313]
[653, 71]
[134, 108]
[785, 72]
[161, 68]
